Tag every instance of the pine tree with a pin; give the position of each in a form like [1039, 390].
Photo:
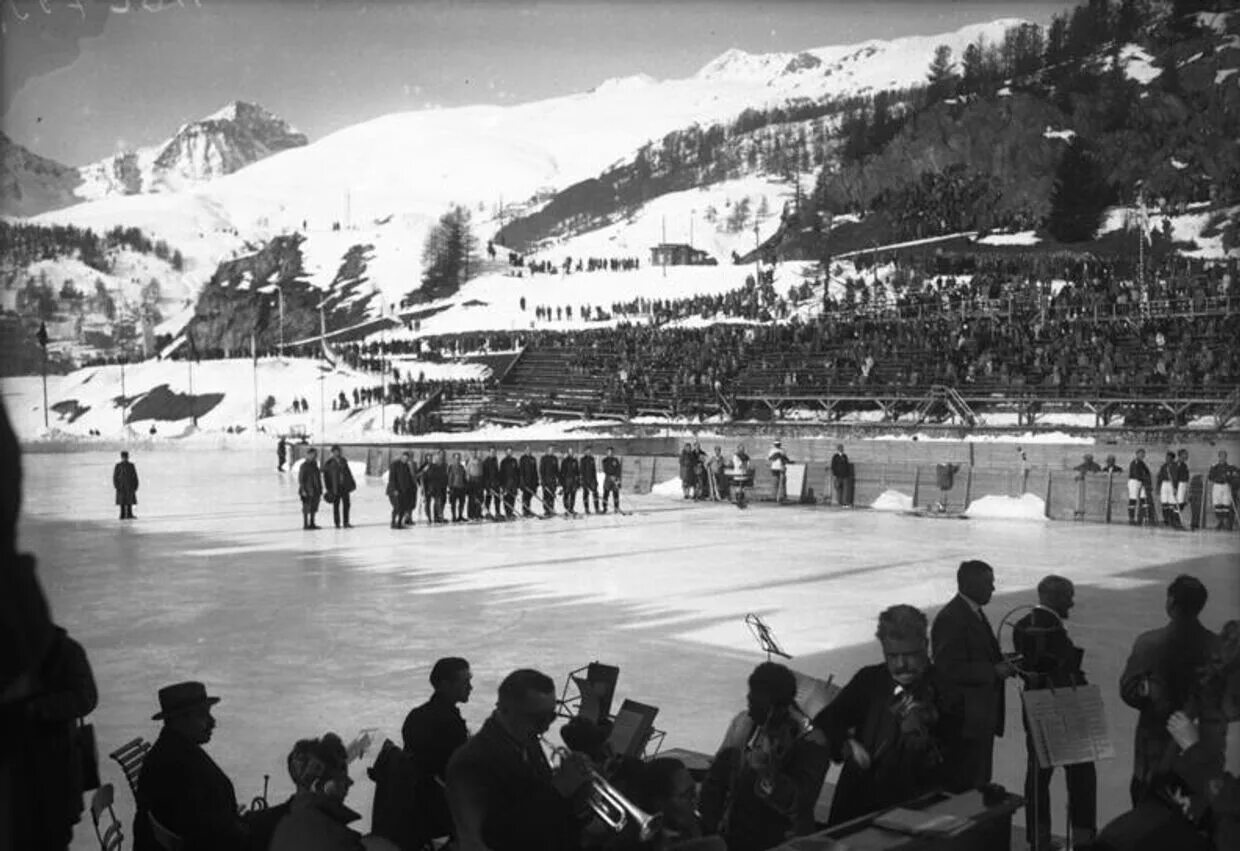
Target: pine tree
[942, 74]
[973, 70]
[1081, 194]
[449, 255]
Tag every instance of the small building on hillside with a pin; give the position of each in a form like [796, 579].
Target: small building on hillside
[680, 254]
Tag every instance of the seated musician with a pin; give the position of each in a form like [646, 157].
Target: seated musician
[317, 816]
[501, 788]
[664, 786]
[882, 725]
[180, 786]
[768, 772]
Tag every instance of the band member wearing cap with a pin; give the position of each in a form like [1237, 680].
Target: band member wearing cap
[432, 732]
[884, 724]
[180, 788]
[501, 790]
[769, 770]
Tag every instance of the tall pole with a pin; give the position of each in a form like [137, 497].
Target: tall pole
[665, 246]
[193, 414]
[757, 255]
[322, 409]
[254, 362]
[42, 338]
[383, 364]
[280, 295]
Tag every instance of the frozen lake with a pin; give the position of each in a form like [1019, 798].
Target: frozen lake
[302, 632]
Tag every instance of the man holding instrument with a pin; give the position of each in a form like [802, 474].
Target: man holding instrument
[1049, 659]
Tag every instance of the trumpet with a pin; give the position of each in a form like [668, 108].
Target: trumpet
[610, 806]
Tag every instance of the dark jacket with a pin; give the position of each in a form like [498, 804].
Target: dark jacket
[188, 793]
[309, 480]
[400, 479]
[570, 471]
[510, 473]
[431, 733]
[688, 461]
[125, 480]
[262, 824]
[317, 823]
[965, 652]
[1200, 768]
[529, 472]
[1049, 655]
[337, 476]
[589, 472]
[1138, 470]
[456, 476]
[549, 471]
[905, 749]
[435, 479]
[611, 466]
[490, 472]
[505, 787]
[1169, 658]
[841, 467]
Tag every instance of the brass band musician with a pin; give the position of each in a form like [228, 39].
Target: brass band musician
[768, 772]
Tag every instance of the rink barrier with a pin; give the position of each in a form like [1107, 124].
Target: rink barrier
[1093, 498]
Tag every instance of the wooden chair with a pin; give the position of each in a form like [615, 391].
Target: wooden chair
[164, 837]
[111, 837]
[130, 756]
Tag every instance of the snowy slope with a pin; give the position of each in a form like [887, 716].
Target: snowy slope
[405, 169]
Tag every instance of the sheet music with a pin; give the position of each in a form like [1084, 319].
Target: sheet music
[1068, 725]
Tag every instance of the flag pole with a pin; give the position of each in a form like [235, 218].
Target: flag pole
[42, 338]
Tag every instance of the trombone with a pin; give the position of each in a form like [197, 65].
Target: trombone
[610, 806]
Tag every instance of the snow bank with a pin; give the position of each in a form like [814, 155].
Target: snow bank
[891, 500]
[1026, 507]
[672, 488]
[1026, 237]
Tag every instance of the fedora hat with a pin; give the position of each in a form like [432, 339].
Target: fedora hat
[182, 697]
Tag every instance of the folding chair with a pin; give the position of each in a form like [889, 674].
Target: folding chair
[130, 756]
[111, 837]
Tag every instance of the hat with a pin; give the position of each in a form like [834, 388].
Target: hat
[182, 697]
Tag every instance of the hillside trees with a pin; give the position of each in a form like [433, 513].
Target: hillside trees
[450, 252]
[1081, 194]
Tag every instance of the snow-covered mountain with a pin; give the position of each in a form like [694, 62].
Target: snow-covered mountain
[238, 135]
[384, 182]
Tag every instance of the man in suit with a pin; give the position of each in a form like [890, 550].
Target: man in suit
[491, 485]
[339, 483]
[1160, 676]
[972, 672]
[1049, 659]
[180, 787]
[125, 480]
[431, 733]
[401, 491]
[884, 725]
[589, 480]
[841, 476]
[310, 489]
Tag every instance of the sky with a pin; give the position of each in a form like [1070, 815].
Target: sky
[83, 79]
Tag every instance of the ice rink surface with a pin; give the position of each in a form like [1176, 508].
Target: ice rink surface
[302, 632]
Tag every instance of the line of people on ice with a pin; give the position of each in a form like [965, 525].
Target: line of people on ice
[472, 486]
[1171, 489]
[922, 718]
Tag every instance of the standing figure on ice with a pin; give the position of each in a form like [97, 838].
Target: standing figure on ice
[1139, 489]
[570, 474]
[589, 480]
[310, 489]
[281, 454]
[779, 462]
[528, 466]
[612, 469]
[1223, 477]
[401, 491]
[339, 481]
[549, 473]
[125, 480]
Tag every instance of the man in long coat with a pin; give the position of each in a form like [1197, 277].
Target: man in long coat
[529, 481]
[338, 479]
[400, 487]
[125, 480]
[570, 475]
[549, 474]
[180, 787]
[510, 482]
[310, 489]
[589, 480]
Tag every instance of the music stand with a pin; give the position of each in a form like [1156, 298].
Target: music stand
[765, 638]
[633, 729]
[596, 688]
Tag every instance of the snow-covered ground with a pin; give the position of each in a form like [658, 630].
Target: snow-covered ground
[301, 632]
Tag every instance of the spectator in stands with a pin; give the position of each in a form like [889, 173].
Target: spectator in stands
[339, 485]
[779, 462]
[1159, 677]
[310, 489]
[431, 734]
[502, 791]
[1223, 478]
[318, 819]
[884, 725]
[1139, 490]
[180, 788]
[842, 477]
[766, 777]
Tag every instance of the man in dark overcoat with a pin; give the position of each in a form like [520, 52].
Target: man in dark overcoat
[431, 734]
[491, 485]
[125, 480]
[510, 481]
[589, 480]
[310, 488]
[401, 490]
[339, 483]
[549, 474]
[972, 673]
[570, 477]
[180, 787]
[529, 481]
[884, 725]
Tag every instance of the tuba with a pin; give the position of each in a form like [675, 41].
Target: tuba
[610, 806]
